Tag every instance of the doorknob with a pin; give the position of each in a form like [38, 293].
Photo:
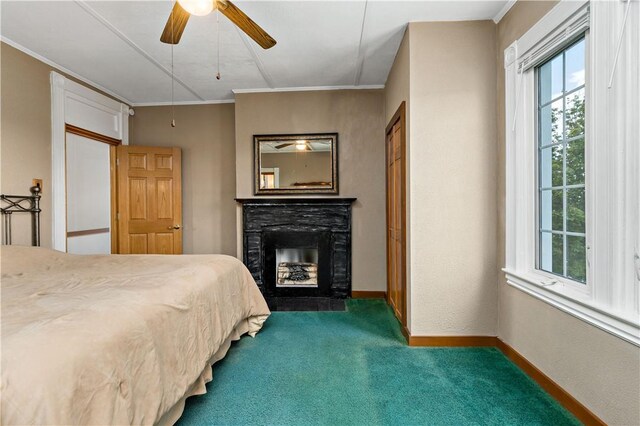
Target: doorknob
[174, 227]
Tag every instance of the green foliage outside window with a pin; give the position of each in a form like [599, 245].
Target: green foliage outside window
[562, 195]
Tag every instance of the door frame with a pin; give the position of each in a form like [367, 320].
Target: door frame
[79, 106]
[113, 190]
[399, 116]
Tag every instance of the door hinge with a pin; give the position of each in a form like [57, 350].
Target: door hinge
[117, 162]
[118, 216]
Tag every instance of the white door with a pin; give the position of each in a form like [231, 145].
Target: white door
[88, 185]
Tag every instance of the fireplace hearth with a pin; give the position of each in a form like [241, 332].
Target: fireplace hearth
[299, 250]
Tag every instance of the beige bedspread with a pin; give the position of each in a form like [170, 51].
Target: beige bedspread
[116, 339]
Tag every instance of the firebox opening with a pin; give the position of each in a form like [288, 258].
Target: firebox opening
[297, 267]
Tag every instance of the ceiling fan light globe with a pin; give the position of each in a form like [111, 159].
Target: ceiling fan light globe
[197, 7]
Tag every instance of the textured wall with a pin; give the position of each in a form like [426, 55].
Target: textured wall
[398, 85]
[206, 135]
[358, 117]
[452, 183]
[397, 90]
[600, 370]
[26, 135]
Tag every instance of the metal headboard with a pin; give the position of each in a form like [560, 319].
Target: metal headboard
[21, 204]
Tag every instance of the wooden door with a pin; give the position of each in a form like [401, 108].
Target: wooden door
[149, 200]
[396, 214]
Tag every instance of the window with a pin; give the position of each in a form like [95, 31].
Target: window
[561, 163]
[573, 163]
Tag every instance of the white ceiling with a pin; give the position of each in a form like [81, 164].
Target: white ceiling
[321, 44]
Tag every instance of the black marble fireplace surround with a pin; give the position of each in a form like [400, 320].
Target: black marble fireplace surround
[299, 223]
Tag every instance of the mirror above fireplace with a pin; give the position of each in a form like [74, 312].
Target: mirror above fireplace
[296, 164]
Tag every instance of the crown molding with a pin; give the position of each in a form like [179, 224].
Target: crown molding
[64, 70]
[504, 10]
[214, 102]
[309, 89]
[261, 90]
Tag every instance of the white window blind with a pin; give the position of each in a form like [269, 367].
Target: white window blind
[532, 53]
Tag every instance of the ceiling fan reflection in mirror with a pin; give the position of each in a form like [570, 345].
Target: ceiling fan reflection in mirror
[183, 9]
[303, 145]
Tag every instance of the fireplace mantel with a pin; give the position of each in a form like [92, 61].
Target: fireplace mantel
[324, 223]
[297, 200]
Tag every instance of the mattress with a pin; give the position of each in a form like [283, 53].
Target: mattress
[115, 339]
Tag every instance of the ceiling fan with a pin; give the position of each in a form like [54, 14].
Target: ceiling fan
[183, 9]
[300, 145]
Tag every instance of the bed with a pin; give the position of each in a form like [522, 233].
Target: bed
[111, 339]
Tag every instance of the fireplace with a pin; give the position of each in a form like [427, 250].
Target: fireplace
[299, 250]
[296, 263]
[296, 268]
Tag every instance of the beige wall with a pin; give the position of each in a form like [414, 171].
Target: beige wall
[26, 135]
[452, 175]
[206, 135]
[358, 117]
[397, 90]
[600, 370]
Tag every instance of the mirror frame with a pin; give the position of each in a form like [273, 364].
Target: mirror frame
[257, 139]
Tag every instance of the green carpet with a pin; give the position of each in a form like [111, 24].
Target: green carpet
[354, 368]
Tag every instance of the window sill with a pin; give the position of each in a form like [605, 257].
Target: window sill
[624, 328]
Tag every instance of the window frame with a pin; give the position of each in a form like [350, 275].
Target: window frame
[610, 299]
[582, 288]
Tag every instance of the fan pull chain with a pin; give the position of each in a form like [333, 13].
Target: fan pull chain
[218, 42]
[173, 115]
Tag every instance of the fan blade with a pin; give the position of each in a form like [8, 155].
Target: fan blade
[283, 145]
[178, 18]
[245, 23]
